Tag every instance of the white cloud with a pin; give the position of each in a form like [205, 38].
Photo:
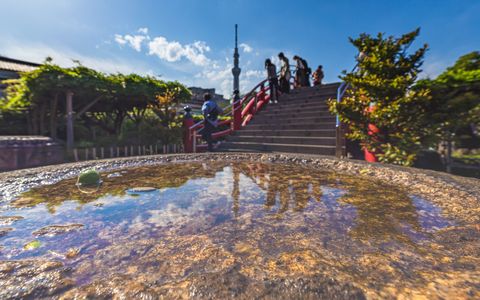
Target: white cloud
[173, 51]
[120, 40]
[134, 41]
[169, 51]
[201, 46]
[246, 48]
[221, 78]
[143, 30]
[255, 74]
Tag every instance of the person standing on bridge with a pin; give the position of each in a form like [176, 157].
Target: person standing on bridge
[210, 111]
[284, 74]
[272, 80]
[302, 72]
[318, 76]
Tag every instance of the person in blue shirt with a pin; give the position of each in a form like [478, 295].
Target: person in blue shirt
[210, 111]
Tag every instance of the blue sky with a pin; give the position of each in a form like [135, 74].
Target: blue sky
[192, 40]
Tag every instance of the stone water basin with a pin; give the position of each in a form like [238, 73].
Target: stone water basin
[227, 229]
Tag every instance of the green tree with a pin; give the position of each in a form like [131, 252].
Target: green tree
[381, 93]
[36, 95]
[166, 103]
[102, 102]
[455, 101]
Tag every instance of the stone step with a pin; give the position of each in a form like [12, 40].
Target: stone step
[296, 113]
[325, 92]
[304, 126]
[299, 123]
[316, 89]
[312, 93]
[292, 120]
[304, 100]
[297, 104]
[293, 140]
[309, 96]
[282, 104]
[286, 132]
[299, 112]
[309, 99]
[289, 148]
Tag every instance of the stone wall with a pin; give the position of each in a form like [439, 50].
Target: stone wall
[18, 152]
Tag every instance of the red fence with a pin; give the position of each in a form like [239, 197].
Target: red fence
[241, 113]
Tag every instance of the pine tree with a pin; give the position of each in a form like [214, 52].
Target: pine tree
[381, 93]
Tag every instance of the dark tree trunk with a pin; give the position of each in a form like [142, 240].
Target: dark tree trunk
[29, 122]
[120, 115]
[35, 121]
[53, 116]
[42, 115]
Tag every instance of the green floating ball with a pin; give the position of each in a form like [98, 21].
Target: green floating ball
[89, 178]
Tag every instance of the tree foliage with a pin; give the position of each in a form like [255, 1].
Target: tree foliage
[162, 104]
[381, 93]
[101, 100]
[454, 101]
[455, 95]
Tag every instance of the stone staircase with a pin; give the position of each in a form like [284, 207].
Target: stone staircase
[299, 123]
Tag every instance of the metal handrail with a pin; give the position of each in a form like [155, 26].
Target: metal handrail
[339, 152]
[341, 92]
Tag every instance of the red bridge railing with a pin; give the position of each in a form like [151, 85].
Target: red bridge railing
[241, 113]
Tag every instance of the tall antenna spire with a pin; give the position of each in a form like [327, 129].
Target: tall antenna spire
[236, 35]
[236, 69]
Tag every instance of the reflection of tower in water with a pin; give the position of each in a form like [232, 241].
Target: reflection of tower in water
[236, 190]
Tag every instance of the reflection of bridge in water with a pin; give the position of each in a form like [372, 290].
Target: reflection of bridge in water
[371, 210]
[287, 190]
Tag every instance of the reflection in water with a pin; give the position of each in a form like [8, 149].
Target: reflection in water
[378, 212]
[382, 216]
[274, 220]
[236, 190]
[168, 176]
[284, 189]
[89, 189]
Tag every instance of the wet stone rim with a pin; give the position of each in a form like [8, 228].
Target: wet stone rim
[458, 196]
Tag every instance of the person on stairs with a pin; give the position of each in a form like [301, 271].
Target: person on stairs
[210, 111]
[284, 79]
[302, 75]
[272, 80]
[318, 76]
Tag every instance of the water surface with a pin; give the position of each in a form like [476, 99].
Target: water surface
[262, 220]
